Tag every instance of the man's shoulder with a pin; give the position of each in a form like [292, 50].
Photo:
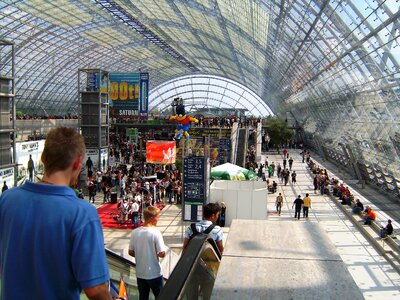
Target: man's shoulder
[206, 224]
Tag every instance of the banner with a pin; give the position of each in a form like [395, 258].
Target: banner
[93, 153]
[124, 94]
[24, 150]
[94, 82]
[144, 95]
[7, 175]
[211, 132]
[160, 152]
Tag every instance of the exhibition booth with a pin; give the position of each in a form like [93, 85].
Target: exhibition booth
[243, 199]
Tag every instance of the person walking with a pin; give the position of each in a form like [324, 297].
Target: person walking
[298, 203]
[306, 205]
[135, 213]
[91, 191]
[286, 176]
[279, 203]
[290, 163]
[55, 244]
[278, 170]
[315, 182]
[294, 175]
[147, 246]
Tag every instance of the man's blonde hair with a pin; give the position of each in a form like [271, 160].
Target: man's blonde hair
[150, 212]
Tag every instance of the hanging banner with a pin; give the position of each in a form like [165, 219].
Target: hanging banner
[124, 94]
[7, 176]
[94, 82]
[160, 152]
[93, 153]
[144, 95]
[25, 150]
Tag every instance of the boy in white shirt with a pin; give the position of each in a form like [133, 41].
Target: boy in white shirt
[147, 245]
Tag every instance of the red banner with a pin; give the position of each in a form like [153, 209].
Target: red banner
[160, 152]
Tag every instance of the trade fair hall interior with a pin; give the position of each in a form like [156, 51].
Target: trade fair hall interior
[212, 83]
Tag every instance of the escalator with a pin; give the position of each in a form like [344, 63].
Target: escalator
[121, 267]
[192, 278]
[195, 273]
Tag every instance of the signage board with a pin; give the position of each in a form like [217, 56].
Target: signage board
[224, 151]
[132, 132]
[195, 186]
[7, 175]
[124, 93]
[24, 151]
[211, 132]
[144, 95]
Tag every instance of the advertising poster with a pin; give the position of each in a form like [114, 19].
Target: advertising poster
[24, 150]
[124, 94]
[160, 152]
[94, 82]
[144, 95]
[94, 157]
[7, 175]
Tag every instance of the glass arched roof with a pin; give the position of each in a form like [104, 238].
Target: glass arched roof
[207, 92]
[334, 64]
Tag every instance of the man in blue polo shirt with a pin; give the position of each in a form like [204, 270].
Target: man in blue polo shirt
[51, 242]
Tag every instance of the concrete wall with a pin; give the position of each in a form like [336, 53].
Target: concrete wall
[243, 199]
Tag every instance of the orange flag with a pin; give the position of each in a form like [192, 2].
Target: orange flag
[122, 290]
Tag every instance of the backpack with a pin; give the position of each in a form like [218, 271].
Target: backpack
[195, 232]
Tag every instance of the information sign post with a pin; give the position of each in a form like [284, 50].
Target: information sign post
[195, 187]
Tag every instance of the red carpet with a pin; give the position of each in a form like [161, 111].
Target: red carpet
[108, 214]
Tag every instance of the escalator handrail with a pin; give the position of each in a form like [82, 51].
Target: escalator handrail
[119, 257]
[215, 247]
[183, 268]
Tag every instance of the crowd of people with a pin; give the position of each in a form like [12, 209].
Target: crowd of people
[131, 182]
[206, 122]
[137, 185]
[325, 185]
[46, 117]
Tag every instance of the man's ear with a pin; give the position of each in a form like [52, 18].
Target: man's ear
[77, 163]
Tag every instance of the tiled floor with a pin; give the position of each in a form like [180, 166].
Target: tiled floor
[372, 274]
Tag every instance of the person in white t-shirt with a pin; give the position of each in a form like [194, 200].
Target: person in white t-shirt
[147, 246]
[135, 213]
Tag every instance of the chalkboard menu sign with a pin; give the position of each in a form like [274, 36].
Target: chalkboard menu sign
[194, 179]
[195, 189]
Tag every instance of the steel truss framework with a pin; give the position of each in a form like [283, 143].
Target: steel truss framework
[334, 64]
[201, 92]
